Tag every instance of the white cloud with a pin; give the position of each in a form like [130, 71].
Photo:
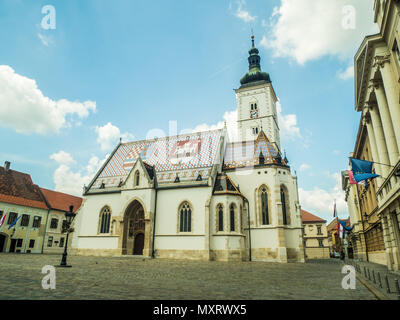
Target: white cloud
[320, 202]
[347, 74]
[309, 29]
[24, 108]
[230, 118]
[68, 181]
[109, 135]
[62, 157]
[304, 167]
[243, 14]
[287, 124]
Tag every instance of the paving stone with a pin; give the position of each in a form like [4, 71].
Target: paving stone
[121, 278]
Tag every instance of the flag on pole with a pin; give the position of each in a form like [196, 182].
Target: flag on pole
[3, 218]
[340, 230]
[14, 223]
[362, 170]
[351, 177]
[334, 210]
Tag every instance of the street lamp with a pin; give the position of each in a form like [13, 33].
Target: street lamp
[70, 215]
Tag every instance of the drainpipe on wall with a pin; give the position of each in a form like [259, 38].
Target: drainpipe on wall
[154, 226]
[248, 215]
[45, 230]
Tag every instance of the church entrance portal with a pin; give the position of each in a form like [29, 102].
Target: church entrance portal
[134, 229]
[139, 244]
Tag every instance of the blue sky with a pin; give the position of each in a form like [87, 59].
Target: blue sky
[125, 67]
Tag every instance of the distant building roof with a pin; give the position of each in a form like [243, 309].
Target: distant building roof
[18, 188]
[309, 217]
[61, 201]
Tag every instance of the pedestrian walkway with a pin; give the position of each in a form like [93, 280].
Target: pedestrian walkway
[378, 276]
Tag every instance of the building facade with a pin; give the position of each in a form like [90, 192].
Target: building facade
[37, 214]
[58, 204]
[199, 195]
[377, 90]
[21, 199]
[315, 236]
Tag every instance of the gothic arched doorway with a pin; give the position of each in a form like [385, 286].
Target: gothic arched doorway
[139, 244]
[3, 241]
[134, 229]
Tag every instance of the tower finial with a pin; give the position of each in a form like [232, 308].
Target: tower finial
[252, 37]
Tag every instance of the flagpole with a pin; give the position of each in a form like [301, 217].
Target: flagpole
[362, 222]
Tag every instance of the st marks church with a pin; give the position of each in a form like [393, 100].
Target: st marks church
[199, 195]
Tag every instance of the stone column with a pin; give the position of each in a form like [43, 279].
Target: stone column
[380, 139]
[392, 93]
[386, 123]
[374, 148]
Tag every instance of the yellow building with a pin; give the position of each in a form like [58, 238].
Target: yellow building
[376, 213]
[315, 236]
[21, 199]
[33, 216]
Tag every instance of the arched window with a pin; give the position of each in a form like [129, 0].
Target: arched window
[284, 202]
[264, 206]
[137, 178]
[185, 217]
[105, 217]
[220, 211]
[232, 216]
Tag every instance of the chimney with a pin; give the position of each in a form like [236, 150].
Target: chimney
[7, 165]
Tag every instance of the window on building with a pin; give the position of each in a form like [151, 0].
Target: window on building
[31, 243]
[284, 209]
[105, 217]
[137, 178]
[264, 206]
[12, 217]
[185, 216]
[321, 243]
[19, 243]
[61, 242]
[50, 241]
[64, 226]
[319, 230]
[220, 210]
[397, 52]
[36, 222]
[232, 216]
[24, 220]
[54, 223]
[255, 130]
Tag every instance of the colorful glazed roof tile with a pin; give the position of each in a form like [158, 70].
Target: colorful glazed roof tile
[186, 156]
[224, 185]
[251, 153]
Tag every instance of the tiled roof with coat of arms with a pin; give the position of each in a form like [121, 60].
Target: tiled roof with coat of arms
[189, 157]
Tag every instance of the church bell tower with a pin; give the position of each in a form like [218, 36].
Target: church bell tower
[256, 102]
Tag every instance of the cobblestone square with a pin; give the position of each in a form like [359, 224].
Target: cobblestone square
[137, 279]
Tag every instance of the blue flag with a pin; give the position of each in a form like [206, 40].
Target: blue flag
[13, 224]
[362, 170]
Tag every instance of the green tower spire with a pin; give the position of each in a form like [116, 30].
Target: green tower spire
[254, 74]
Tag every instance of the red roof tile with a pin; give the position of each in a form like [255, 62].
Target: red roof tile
[309, 217]
[18, 188]
[61, 201]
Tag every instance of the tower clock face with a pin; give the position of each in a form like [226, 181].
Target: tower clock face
[254, 114]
